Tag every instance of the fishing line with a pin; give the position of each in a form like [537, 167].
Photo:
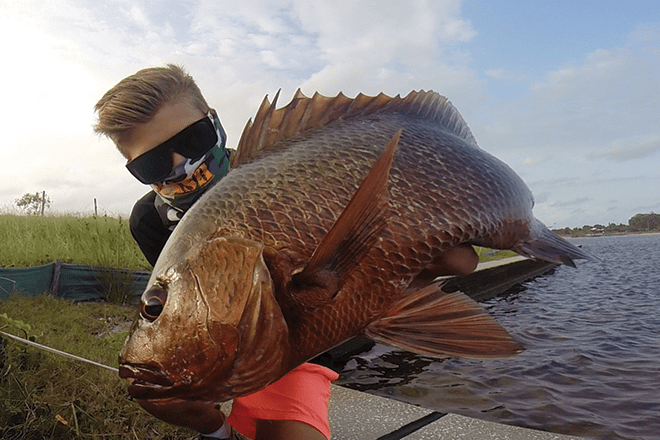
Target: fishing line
[404, 431]
[61, 353]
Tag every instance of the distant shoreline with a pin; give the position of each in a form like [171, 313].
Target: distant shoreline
[610, 235]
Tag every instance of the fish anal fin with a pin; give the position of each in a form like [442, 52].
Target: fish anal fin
[356, 228]
[433, 322]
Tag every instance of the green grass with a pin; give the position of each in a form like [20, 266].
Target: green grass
[487, 254]
[38, 389]
[96, 241]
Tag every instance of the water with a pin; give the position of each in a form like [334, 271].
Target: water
[591, 367]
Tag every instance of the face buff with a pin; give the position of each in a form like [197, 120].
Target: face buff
[190, 179]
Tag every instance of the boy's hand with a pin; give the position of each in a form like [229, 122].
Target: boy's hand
[203, 417]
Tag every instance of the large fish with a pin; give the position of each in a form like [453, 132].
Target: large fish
[334, 221]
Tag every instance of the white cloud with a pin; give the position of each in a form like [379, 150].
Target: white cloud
[506, 75]
[574, 132]
[604, 107]
[581, 108]
[530, 161]
[67, 53]
[634, 147]
[644, 34]
[393, 30]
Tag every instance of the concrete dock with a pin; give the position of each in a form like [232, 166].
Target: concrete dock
[355, 415]
[495, 277]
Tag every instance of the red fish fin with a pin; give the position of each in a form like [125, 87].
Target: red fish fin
[357, 226]
[255, 134]
[433, 322]
[273, 125]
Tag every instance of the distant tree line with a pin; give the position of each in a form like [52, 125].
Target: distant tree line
[636, 224]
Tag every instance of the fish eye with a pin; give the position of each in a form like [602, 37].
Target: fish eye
[153, 301]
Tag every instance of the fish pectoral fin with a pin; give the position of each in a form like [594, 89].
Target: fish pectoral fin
[357, 227]
[433, 322]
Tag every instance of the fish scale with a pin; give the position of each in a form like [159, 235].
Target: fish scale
[316, 269]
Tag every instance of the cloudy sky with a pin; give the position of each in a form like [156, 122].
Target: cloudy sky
[566, 92]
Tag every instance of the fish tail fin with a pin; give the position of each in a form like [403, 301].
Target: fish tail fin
[433, 322]
[548, 246]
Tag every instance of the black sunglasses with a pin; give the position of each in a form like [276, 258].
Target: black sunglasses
[192, 142]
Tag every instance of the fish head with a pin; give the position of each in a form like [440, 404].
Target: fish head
[209, 327]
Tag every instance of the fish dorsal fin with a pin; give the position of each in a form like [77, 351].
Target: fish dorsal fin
[433, 322]
[351, 235]
[252, 139]
[273, 125]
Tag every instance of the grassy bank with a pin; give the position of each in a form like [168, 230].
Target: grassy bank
[487, 254]
[45, 396]
[97, 241]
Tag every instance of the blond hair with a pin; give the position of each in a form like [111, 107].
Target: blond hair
[137, 98]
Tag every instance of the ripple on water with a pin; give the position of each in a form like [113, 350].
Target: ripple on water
[592, 359]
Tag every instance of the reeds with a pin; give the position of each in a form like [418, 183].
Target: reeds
[95, 241]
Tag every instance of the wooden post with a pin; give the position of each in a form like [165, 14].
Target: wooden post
[55, 280]
[96, 211]
[43, 202]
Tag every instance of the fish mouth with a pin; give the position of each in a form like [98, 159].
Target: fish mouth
[146, 381]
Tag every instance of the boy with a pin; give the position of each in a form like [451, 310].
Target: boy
[173, 141]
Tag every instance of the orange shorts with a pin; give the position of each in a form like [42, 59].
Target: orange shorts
[301, 395]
